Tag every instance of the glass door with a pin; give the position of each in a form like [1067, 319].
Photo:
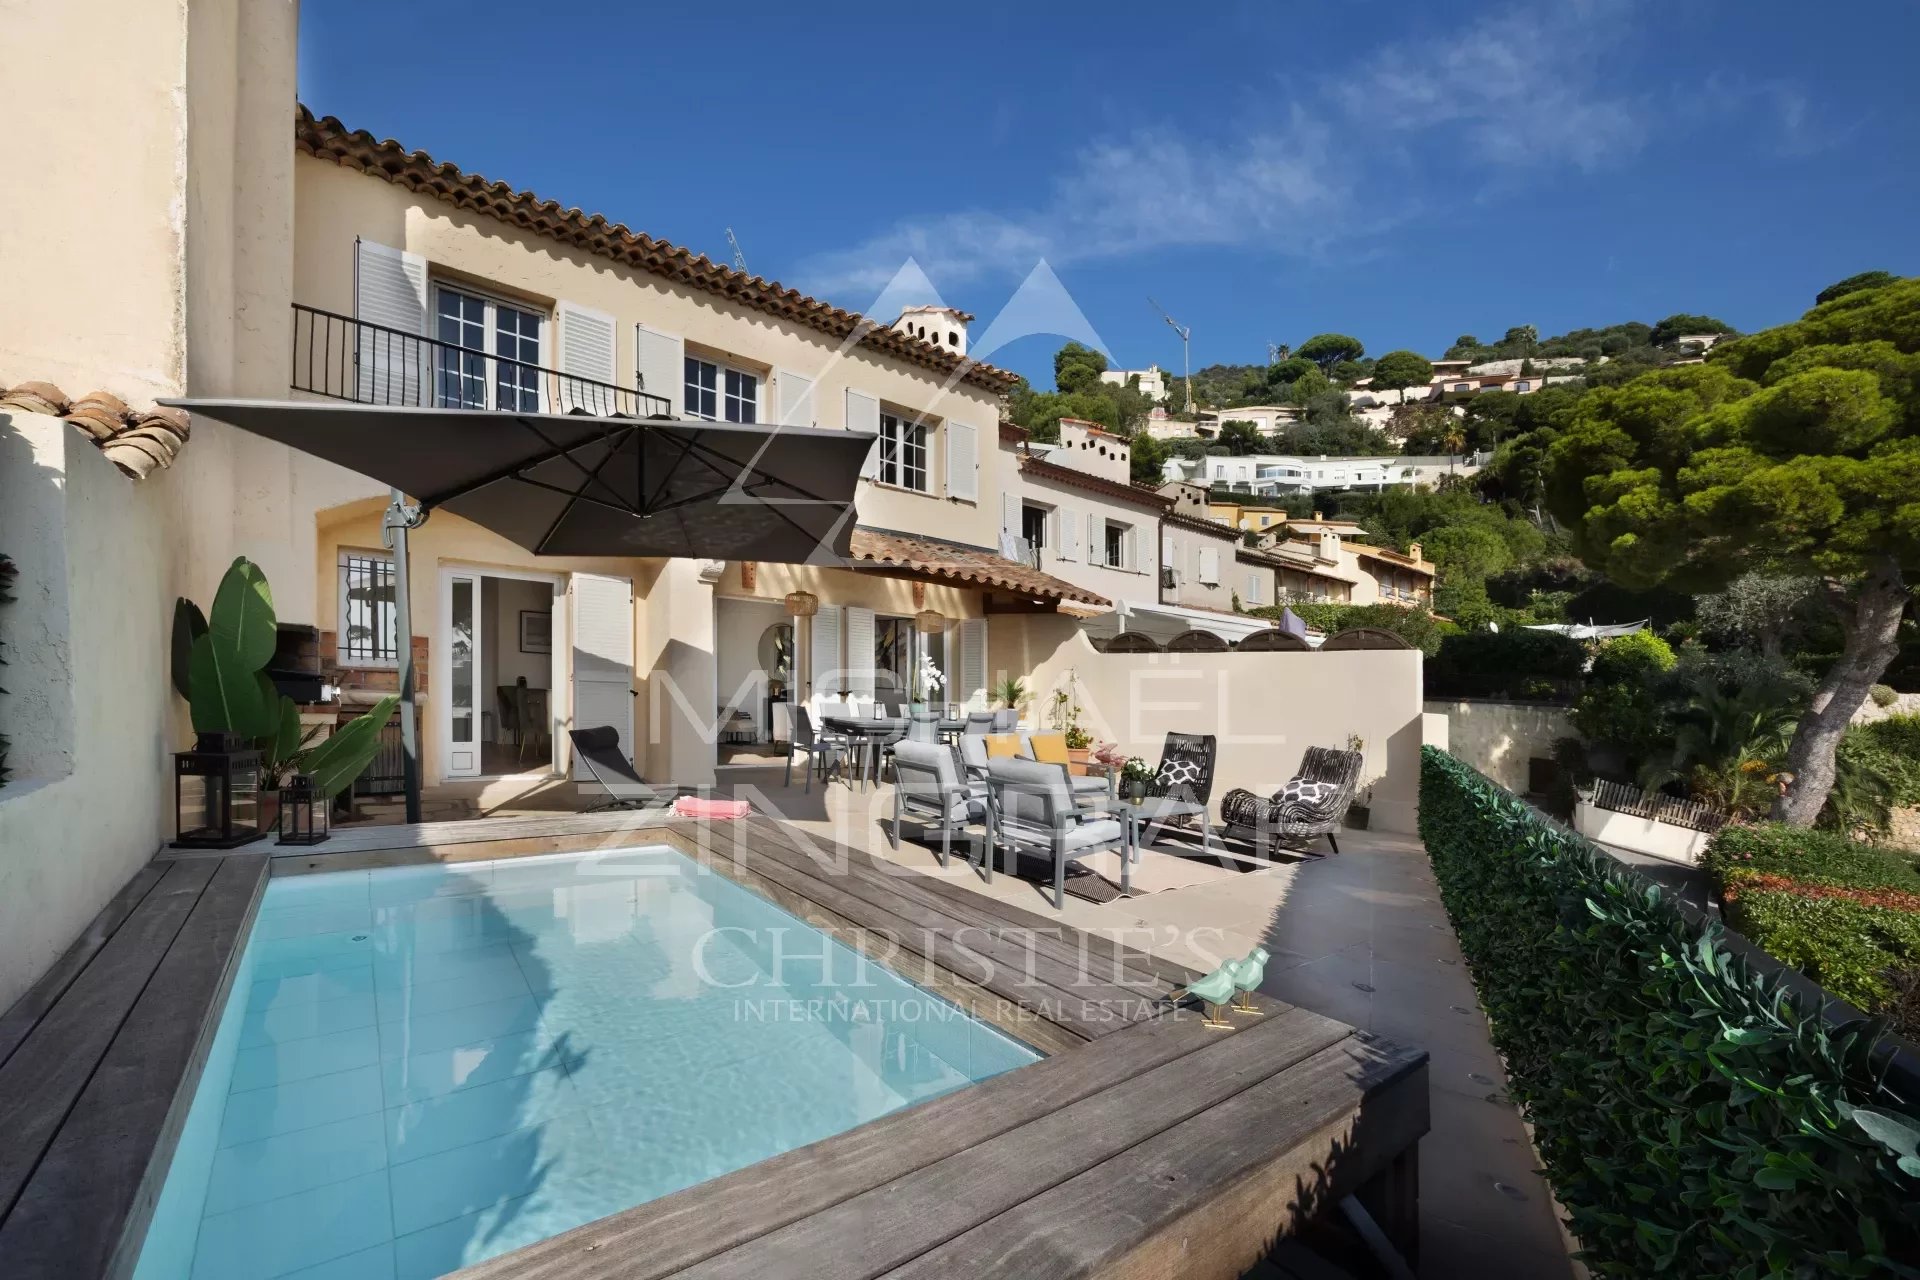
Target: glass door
[460, 617]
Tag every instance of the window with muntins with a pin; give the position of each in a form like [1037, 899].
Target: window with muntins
[719, 393]
[1116, 548]
[497, 365]
[368, 634]
[903, 453]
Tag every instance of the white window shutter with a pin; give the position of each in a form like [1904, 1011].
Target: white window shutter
[1167, 554]
[660, 360]
[824, 653]
[1096, 538]
[863, 414]
[1010, 513]
[602, 629]
[860, 651]
[390, 290]
[584, 351]
[1069, 548]
[963, 464]
[796, 399]
[1210, 566]
[972, 691]
[1130, 549]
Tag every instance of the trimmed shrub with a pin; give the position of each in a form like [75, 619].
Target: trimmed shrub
[1693, 1119]
[1882, 695]
[1891, 747]
[1848, 944]
[1505, 664]
[1813, 857]
[1416, 626]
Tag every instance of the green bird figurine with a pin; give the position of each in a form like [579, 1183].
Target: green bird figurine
[1213, 992]
[1247, 973]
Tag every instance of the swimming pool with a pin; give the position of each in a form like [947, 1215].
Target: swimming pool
[422, 1067]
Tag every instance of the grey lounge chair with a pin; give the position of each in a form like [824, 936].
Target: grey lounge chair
[599, 750]
[929, 789]
[1031, 807]
[979, 722]
[1296, 813]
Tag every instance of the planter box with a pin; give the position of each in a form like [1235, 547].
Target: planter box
[1657, 839]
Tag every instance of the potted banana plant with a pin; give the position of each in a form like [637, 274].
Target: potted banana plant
[219, 667]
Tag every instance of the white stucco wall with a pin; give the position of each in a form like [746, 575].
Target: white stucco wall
[1498, 738]
[75, 824]
[1265, 708]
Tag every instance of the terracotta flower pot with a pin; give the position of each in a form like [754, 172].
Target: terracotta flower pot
[1077, 758]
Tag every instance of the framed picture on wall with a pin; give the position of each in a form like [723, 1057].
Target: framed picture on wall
[536, 631]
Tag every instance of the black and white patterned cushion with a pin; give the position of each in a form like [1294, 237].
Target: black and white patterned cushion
[1178, 774]
[1301, 791]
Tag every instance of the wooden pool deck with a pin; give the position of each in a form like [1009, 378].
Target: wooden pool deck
[1143, 1145]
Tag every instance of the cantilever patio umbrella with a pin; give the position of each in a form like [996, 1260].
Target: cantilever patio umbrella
[577, 485]
[580, 485]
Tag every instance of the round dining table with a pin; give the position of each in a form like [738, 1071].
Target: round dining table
[868, 735]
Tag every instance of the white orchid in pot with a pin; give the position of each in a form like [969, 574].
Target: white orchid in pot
[928, 680]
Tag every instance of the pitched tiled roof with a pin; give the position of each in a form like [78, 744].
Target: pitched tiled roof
[1199, 525]
[956, 563]
[1041, 469]
[1399, 558]
[328, 139]
[138, 441]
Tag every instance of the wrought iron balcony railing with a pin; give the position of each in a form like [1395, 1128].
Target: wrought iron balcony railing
[347, 359]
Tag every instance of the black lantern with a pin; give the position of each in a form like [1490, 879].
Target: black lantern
[216, 793]
[303, 811]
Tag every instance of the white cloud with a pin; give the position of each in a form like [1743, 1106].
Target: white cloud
[1512, 98]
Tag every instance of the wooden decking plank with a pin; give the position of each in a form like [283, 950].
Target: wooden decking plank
[1203, 1199]
[892, 1224]
[41, 1080]
[1050, 935]
[980, 936]
[664, 1236]
[19, 1021]
[993, 964]
[95, 1188]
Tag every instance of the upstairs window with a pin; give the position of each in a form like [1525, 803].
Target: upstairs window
[903, 453]
[720, 393]
[1116, 545]
[1033, 525]
[497, 365]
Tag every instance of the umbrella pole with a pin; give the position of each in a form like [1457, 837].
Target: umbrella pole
[399, 519]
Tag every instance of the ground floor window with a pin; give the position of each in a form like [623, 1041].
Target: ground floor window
[367, 635]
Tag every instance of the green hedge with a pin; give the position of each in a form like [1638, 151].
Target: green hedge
[1506, 664]
[1816, 857]
[1693, 1120]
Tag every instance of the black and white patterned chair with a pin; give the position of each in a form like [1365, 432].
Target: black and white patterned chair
[1178, 792]
[1313, 802]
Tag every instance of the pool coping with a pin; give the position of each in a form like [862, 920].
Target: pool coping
[1096, 1009]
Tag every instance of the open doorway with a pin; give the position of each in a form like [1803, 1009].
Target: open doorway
[754, 644]
[503, 668]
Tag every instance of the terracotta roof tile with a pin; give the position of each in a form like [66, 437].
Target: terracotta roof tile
[138, 441]
[965, 564]
[327, 139]
[1044, 470]
[1200, 525]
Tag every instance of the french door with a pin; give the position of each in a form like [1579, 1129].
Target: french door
[461, 722]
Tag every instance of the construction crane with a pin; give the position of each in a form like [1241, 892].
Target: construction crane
[1186, 347]
[739, 258]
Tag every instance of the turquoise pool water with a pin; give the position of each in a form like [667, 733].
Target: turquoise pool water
[423, 1067]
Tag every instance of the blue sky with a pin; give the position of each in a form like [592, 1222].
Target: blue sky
[1402, 172]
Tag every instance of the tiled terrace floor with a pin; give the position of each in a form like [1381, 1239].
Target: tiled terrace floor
[1360, 937]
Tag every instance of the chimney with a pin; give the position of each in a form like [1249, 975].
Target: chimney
[1413, 549]
[1316, 516]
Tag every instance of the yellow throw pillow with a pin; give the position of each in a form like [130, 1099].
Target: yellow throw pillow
[1002, 746]
[1050, 748]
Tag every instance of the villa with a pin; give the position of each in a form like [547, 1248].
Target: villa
[498, 1043]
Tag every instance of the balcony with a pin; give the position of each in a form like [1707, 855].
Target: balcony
[346, 359]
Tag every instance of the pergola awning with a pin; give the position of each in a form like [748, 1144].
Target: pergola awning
[582, 485]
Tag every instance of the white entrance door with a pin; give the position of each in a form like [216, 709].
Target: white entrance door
[602, 616]
[461, 721]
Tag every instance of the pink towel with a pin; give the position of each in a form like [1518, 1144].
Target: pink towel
[700, 807]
